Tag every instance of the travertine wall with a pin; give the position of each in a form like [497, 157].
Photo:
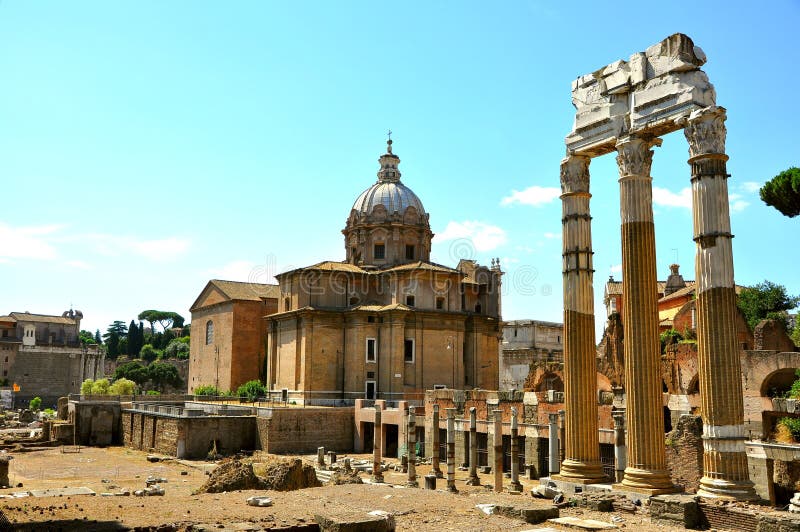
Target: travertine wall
[302, 430]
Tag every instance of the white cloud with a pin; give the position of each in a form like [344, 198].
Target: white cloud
[667, 198]
[237, 270]
[32, 242]
[534, 195]
[737, 204]
[616, 268]
[750, 186]
[509, 260]
[484, 237]
[159, 250]
[162, 250]
[552, 235]
[79, 264]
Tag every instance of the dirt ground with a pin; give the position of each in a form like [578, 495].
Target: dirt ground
[114, 468]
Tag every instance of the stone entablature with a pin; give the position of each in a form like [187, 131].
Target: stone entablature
[644, 96]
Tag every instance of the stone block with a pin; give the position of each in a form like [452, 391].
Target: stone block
[530, 515]
[681, 510]
[354, 521]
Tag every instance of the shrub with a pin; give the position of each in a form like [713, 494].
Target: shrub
[35, 404]
[207, 389]
[49, 413]
[793, 425]
[794, 392]
[177, 348]
[153, 392]
[122, 387]
[670, 336]
[251, 390]
[149, 353]
[100, 387]
[86, 387]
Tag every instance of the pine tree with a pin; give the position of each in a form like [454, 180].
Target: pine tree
[132, 340]
[97, 337]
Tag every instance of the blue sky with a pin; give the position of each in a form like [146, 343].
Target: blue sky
[146, 147]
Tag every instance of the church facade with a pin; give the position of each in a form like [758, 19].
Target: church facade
[387, 322]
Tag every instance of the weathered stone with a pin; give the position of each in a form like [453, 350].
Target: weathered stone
[259, 501]
[528, 514]
[354, 521]
[682, 510]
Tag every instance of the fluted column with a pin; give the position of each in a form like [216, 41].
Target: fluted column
[646, 461]
[582, 447]
[725, 473]
[435, 469]
[377, 446]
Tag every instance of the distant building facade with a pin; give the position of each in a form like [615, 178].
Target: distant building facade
[43, 356]
[385, 323]
[228, 344]
[528, 346]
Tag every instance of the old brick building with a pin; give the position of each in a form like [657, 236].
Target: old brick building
[228, 344]
[386, 322]
[43, 356]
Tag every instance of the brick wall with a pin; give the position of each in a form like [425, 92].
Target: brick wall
[724, 517]
[685, 453]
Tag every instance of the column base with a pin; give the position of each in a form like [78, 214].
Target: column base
[412, 484]
[653, 482]
[473, 481]
[580, 473]
[515, 486]
[452, 489]
[715, 488]
[438, 473]
[377, 479]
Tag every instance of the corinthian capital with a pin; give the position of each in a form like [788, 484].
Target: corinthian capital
[634, 156]
[575, 174]
[705, 131]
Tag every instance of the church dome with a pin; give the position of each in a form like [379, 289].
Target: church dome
[389, 192]
[395, 197]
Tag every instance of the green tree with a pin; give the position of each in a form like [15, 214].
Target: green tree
[132, 371]
[86, 338]
[112, 337]
[149, 353]
[133, 339]
[97, 338]
[765, 300]
[796, 332]
[177, 348]
[117, 327]
[251, 390]
[162, 375]
[164, 318]
[35, 404]
[783, 192]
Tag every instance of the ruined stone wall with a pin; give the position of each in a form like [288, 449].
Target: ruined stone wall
[302, 430]
[684, 446]
[770, 335]
[188, 437]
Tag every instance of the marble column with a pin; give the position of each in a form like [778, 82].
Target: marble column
[498, 450]
[582, 446]
[515, 484]
[725, 473]
[552, 444]
[647, 461]
[451, 450]
[620, 448]
[473, 448]
[411, 482]
[377, 474]
[435, 469]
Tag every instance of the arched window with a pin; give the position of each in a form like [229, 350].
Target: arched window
[209, 332]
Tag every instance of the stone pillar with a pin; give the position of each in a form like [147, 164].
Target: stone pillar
[451, 450]
[4, 482]
[647, 461]
[377, 446]
[473, 449]
[582, 445]
[620, 449]
[435, 454]
[552, 440]
[412, 449]
[515, 484]
[725, 473]
[321, 457]
[498, 450]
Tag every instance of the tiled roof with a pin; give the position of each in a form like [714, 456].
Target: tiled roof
[41, 318]
[243, 291]
[421, 265]
[686, 290]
